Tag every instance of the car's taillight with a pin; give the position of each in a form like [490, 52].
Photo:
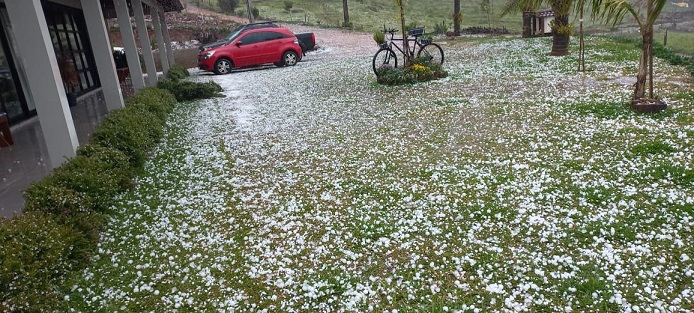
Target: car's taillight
[296, 41]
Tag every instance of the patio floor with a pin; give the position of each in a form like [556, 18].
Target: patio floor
[27, 160]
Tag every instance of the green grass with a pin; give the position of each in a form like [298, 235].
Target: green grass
[678, 41]
[515, 181]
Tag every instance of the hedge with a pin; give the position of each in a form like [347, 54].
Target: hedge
[64, 212]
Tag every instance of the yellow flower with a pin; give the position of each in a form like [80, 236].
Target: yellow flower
[419, 69]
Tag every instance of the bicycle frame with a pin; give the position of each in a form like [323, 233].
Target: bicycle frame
[391, 43]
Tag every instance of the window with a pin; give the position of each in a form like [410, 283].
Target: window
[252, 38]
[70, 40]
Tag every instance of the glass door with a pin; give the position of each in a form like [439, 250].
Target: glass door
[12, 99]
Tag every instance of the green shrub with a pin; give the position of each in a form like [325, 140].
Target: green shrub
[177, 72]
[86, 183]
[133, 132]
[188, 91]
[49, 195]
[419, 71]
[60, 228]
[379, 37]
[154, 100]
[38, 251]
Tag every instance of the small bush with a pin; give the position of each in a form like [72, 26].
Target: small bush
[86, 183]
[38, 251]
[177, 72]
[188, 91]
[133, 132]
[419, 71]
[153, 100]
[60, 228]
[379, 37]
[48, 195]
[440, 29]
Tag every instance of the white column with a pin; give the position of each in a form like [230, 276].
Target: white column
[145, 44]
[167, 38]
[126, 31]
[43, 76]
[103, 54]
[163, 57]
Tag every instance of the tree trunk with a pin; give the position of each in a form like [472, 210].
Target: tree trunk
[640, 86]
[251, 18]
[560, 39]
[345, 10]
[456, 17]
[405, 42]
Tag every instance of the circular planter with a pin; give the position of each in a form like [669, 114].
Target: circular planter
[645, 105]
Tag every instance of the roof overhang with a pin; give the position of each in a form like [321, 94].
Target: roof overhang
[109, 8]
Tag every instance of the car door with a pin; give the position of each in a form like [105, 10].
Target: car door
[248, 50]
[271, 46]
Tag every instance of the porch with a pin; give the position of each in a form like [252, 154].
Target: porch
[27, 160]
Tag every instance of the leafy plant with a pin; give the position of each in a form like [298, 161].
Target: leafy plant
[440, 29]
[379, 37]
[188, 91]
[177, 72]
[419, 71]
[38, 251]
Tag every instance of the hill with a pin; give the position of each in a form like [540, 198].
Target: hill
[369, 15]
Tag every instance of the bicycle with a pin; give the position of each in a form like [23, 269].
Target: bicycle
[386, 56]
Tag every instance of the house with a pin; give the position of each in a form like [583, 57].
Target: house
[537, 23]
[54, 52]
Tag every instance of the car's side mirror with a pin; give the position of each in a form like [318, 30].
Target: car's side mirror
[238, 44]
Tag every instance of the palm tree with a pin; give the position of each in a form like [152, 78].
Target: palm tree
[614, 11]
[561, 30]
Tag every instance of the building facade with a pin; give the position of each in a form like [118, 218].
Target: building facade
[52, 52]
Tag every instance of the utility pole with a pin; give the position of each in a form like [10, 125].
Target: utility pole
[251, 18]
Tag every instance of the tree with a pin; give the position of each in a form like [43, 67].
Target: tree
[400, 4]
[561, 30]
[251, 15]
[457, 17]
[345, 10]
[228, 5]
[614, 11]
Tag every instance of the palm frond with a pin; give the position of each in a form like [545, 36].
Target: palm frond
[658, 6]
[515, 6]
[614, 11]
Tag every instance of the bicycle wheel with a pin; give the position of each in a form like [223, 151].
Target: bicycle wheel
[431, 52]
[384, 57]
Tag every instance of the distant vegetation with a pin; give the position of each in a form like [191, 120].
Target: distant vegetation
[369, 15]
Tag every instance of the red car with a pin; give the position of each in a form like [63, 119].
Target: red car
[253, 47]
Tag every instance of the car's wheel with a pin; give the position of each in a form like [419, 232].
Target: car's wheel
[223, 66]
[290, 58]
